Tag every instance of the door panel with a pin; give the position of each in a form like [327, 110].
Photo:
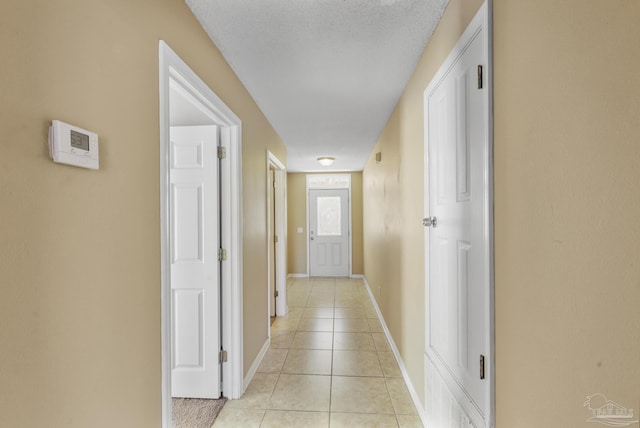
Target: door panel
[329, 232]
[189, 329]
[195, 276]
[187, 205]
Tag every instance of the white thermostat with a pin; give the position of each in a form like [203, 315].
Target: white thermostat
[73, 146]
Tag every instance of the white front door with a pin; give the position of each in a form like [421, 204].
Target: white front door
[195, 274]
[329, 232]
[458, 238]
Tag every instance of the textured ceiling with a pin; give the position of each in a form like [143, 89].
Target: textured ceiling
[326, 73]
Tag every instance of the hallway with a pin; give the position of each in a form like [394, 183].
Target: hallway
[329, 365]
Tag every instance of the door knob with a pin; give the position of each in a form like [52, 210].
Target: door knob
[430, 222]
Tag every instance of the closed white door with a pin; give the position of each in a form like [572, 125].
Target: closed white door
[195, 274]
[458, 239]
[329, 232]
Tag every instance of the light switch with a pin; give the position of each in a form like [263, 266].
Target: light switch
[300, 230]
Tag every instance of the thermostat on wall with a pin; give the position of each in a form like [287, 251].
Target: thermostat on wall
[73, 146]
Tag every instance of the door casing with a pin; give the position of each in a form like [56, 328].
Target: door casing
[175, 72]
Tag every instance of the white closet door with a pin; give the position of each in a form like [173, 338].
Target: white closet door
[195, 275]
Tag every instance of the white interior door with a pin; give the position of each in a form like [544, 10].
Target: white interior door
[458, 238]
[329, 232]
[273, 243]
[195, 274]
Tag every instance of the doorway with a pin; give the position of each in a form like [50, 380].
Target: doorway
[329, 245]
[329, 232]
[187, 101]
[276, 218]
[272, 240]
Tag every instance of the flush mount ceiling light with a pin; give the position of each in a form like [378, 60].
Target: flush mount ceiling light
[326, 160]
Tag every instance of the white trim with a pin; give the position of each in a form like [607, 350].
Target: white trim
[357, 276]
[297, 275]
[174, 71]
[306, 195]
[273, 163]
[405, 375]
[165, 301]
[350, 232]
[232, 304]
[350, 221]
[488, 23]
[256, 363]
[480, 23]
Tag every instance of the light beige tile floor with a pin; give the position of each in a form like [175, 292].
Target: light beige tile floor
[329, 366]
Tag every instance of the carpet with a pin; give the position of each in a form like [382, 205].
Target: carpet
[195, 412]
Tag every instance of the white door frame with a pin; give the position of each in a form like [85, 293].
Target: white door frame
[481, 22]
[274, 164]
[175, 72]
[350, 224]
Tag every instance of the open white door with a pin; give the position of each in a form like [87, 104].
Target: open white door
[195, 274]
[277, 236]
[459, 235]
[273, 244]
[329, 232]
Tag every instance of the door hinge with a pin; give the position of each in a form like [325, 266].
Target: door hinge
[222, 152]
[481, 366]
[222, 356]
[222, 254]
[430, 222]
[276, 293]
[275, 239]
[480, 77]
[275, 184]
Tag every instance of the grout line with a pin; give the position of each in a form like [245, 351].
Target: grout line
[370, 332]
[333, 336]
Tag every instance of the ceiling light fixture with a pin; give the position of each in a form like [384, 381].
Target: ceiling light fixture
[326, 160]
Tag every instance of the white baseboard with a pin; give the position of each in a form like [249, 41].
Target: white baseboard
[396, 354]
[357, 275]
[256, 364]
[297, 275]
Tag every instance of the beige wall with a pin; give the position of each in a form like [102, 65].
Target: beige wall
[567, 244]
[393, 202]
[567, 204]
[80, 252]
[357, 256]
[297, 217]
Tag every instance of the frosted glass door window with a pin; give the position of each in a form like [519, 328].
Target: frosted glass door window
[329, 181]
[329, 221]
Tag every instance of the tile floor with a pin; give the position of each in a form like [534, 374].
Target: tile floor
[329, 365]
